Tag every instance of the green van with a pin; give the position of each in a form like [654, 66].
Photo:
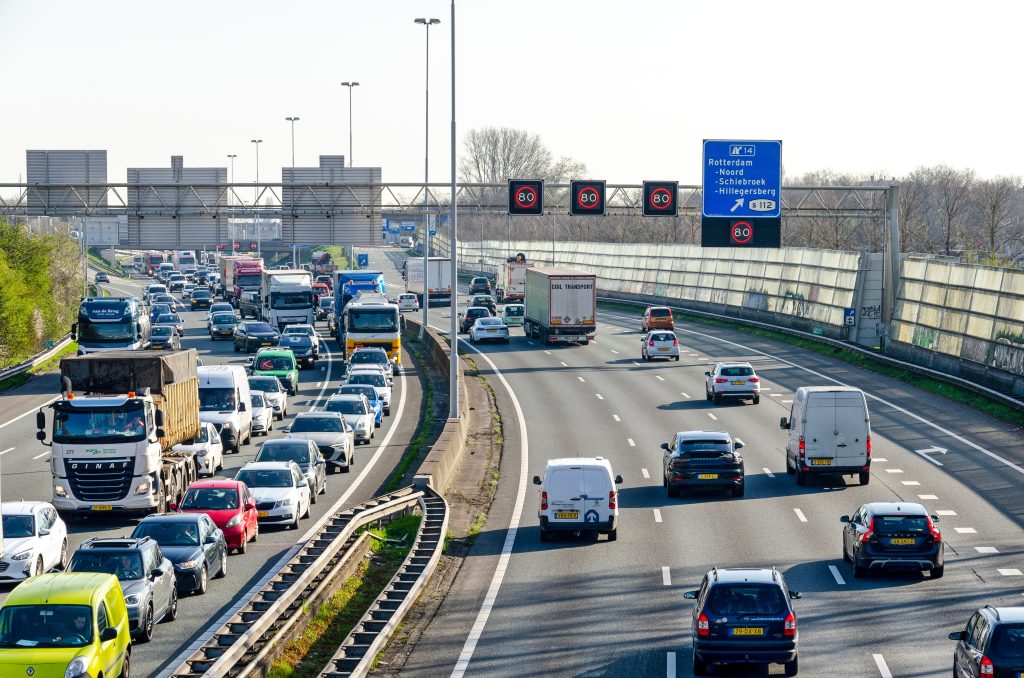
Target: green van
[280, 363]
[65, 624]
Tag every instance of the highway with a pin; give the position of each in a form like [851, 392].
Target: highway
[26, 475]
[597, 608]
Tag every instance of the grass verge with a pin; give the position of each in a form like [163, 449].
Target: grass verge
[427, 429]
[48, 366]
[305, 656]
[975, 401]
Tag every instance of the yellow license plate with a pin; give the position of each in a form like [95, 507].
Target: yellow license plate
[662, 349]
[708, 476]
[102, 507]
[491, 331]
[567, 515]
[748, 631]
[821, 462]
[739, 382]
[903, 541]
[265, 343]
[263, 514]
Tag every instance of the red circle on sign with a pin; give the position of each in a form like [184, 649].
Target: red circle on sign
[668, 198]
[526, 204]
[252, 246]
[740, 239]
[591, 190]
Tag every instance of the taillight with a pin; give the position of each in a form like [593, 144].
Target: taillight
[789, 625]
[803, 446]
[936, 535]
[753, 380]
[987, 669]
[703, 627]
[543, 501]
[611, 500]
[675, 341]
[651, 342]
[719, 380]
[867, 536]
[867, 446]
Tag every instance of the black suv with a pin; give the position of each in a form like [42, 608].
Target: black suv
[992, 644]
[702, 459]
[467, 319]
[480, 285]
[744, 616]
[892, 535]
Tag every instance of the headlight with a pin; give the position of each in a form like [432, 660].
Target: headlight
[226, 425]
[188, 564]
[133, 600]
[235, 521]
[24, 555]
[362, 425]
[284, 502]
[77, 667]
[142, 489]
[60, 491]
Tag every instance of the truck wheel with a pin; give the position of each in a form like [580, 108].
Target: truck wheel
[613, 535]
[865, 477]
[801, 477]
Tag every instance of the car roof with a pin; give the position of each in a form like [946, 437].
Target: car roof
[734, 364]
[478, 308]
[215, 483]
[756, 575]
[316, 413]
[268, 466]
[580, 461]
[347, 396]
[285, 442]
[171, 518]
[704, 435]
[369, 349]
[21, 507]
[1006, 614]
[896, 508]
[60, 588]
[113, 543]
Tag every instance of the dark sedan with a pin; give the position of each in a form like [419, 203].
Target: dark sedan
[306, 352]
[200, 298]
[252, 335]
[171, 319]
[222, 325]
[192, 542]
[467, 319]
[164, 337]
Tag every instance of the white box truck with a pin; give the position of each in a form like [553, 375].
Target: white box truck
[287, 297]
[561, 305]
[439, 278]
[511, 284]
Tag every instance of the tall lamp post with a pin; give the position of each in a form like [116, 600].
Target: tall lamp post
[453, 367]
[231, 201]
[255, 199]
[427, 23]
[292, 120]
[350, 85]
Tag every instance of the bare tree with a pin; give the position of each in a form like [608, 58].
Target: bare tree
[951, 194]
[995, 199]
[496, 154]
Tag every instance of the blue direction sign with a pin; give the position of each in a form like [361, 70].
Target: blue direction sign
[408, 227]
[433, 232]
[849, 317]
[363, 260]
[742, 178]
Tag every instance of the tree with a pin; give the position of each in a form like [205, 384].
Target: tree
[493, 155]
[995, 201]
[951, 193]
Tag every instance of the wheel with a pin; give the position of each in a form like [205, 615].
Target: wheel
[707, 394]
[306, 514]
[801, 477]
[146, 628]
[223, 571]
[347, 467]
[757, 399]
[256, 533]
[937, 572]
[677, 358]
[203, 582]
[859, 571]
[544, 535]
[235, 346]
[331, 469]
[38, 570]
[738, 491]
[64, 555]
[172, 610]
[717, 398]
[295, 525]
[613, 534]
[312, 499]
[865, 477]
[245, 545]
[323, 488]
[699, 668]
[789, 468]
[792, 667]
[670, 491]
[126, 667]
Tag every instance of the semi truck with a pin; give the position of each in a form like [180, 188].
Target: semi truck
[371, 320]
[286, 297]
[152, 261]
[118, 417]
[348, 284]
[111, 324]
[234, 265]
[511, 284]
[184, 260]
[439, 278]
[561, 305]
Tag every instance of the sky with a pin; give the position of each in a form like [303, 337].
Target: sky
[630, 88]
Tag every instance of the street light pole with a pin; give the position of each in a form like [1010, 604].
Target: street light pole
[292, 121]
[231, 201]
[291, 191]
[427, 23]
[350, 85]
[255, 200]
[453, 367]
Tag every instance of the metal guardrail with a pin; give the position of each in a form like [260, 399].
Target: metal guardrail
[36, 359]
[356, 654]
[233, 649]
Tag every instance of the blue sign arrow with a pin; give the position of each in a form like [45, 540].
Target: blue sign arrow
[363, 260]
[849, 316]
[742, 178]
[432, 233]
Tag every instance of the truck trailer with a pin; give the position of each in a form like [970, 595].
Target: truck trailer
[439, 278]
[561, 305]
[511, 285]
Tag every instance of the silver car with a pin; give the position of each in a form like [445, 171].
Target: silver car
[373, 377]
[357, 412]
[333, 437]
[305, 455]
[281, 491]
[732, 380]
[660, 344]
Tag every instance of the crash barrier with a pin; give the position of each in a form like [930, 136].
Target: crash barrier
[442, 461]
[38, 358]
[248, 642]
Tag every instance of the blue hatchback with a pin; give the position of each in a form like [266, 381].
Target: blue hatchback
[371, 394]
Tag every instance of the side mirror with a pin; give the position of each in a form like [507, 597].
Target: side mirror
[618, 480]
[738, 445]
[108, 634]
[690, 595]
[844, 519]
[40, 420]
[795, 595]
[43, 531]
[157, 572]
[286, 429]
[159, 417]
[241, 407]
[664, 446]
[707, 374]
[935, 519]
[536, 480]
[172, 506]
[160, 433]
[250, 505]
[784, 424]
[74, 330]
[211, 539]
[958, 635]
[41, 436]
[303, 482]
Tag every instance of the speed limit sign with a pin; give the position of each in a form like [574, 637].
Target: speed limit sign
[660, 198]
[586, 197]
[741, 233]
[526, 196]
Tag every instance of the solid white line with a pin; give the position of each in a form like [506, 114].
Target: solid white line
[685, 395]
[986, 549]
[581, 379]
[40, 456]
[927, 496]
[712, 416]
[800, 515]
[659, 377]
[25, 414]
[645, 473]
[666, 576]
[9, 449]
[616, 417]
[657, 515]
[630, 441]
[835, 575]
[599, 396]
[320, 384]
[327, 378]
[883, 668]
[768, 473]
[670, 665]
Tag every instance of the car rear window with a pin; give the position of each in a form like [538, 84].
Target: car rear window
[737, 371]
[663, 337]
[745, 599]
[703, 446]
[1008, 642]
[660, 313]
[899, 524]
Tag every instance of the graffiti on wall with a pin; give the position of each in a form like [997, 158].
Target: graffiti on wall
[1007, 353]
[925, 337]
[756, 300]
[871, 312]
[796, 304]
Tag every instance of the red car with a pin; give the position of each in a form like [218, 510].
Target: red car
[320, 290]
[230, 505]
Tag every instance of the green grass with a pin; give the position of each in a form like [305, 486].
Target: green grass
[975, 401]
[338, 256]
[427, 428]
[48, 366]
[305, 656]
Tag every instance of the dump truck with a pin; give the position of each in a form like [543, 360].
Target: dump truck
[118, 417]
[561, 305]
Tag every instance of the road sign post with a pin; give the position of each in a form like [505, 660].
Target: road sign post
[526, 197]
[742, 179]
[660, 198]
[587, 198]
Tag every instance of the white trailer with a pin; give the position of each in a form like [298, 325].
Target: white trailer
[439, 279]
[286, 297]
[561, 305]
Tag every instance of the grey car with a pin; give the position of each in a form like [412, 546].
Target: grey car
[333, 437]
[305, 455]
[146, 576]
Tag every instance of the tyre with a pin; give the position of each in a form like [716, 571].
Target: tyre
[865, 477]
[223, 571]
[312, 499]
[789, 468]
[792, 667]
[306, 514]
[937, 572]
[613, 534]
[671, 492]
[295, 525]
[38, 569]
[244, 547]
[859, 571]
[717, 398]
[347, 467]
[757, 399]
[146, 625]
[544, 535]
[738, 491]
[801, 477]
[204, 582]
[707, 395]
[64, 556]
[172, 610]
[699, 668]
[235, 346]
[677, 358]
[846, 556]
[126, 667]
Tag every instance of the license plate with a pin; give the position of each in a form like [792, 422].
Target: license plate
[102, 507]
[263, 514]
[747, 631]
[567, 515]
[265, 343]
[491, 331]
[821, 462]
[662, 349]
[737, 383]
[903, 541]
[708, 476]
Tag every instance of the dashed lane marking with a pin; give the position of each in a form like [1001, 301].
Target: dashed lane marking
[710, 414]
[581, 379]
[659, 377]
[800, 515]
[965, 530]
[645, 473]
[927, 496]
[40, 456]
[630, 441]
[666, 576]
[945, 513]
[616, 417]
[894, 470]
[768, 472]
[835, 575]
[883, 668]
[562, 364]
[670, 665]
[599, 396]
[910, 483]
[685, 395]
[1010, 572]
[657, 515]
[986, 549]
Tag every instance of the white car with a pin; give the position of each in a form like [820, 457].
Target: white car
[281, 491]
[273, 391]
[35, 540]
[208, 448]
[358, 414]
[488, 329]
[154, 289]
[659, 344]
[262, 413]
[732, 380]
[408, 302]
[186, 291]
[305, 455]
[375, 378]
[333, 437]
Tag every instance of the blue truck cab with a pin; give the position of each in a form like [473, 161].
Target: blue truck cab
[347, 284]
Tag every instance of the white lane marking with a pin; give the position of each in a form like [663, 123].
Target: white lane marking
[320, 384]
[894, 470]
[965, 530]
[986, 549]
[1010, 572]
[634, 362]
[616, 417]
[614, 351]
[878, 460]
[768, 473]
[645, 473]
[327, 378]
[599, 396]
[883, 668]
[835, 575]
[510, 536]
[685, 395]
[630, 441]
[670, 665]
[657, 515]
[659, 377]
[910, 483]
[40, 456]
[666, 576]
[25, 414]
[775, 395]
[945, 513]
[927, 496]
[322, 368]
[9, 449]
[712, 416]
[581, 379]
[800, 515]
[547, 352]
[740, 441]
[787, 401]
[562, 364]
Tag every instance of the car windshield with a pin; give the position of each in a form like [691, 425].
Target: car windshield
[258, 401]
[368, 378]
[300, 340]
[373, 320]
[267, 363]
[368, 357]
[204, 436]
[202, 293]
[162, 332]
[249, 280]
[297, 453]
[265, 384]
[368, 391]
[740, 600]
[737, 371]
[345, 406]
[224, 319]
[284, 300]
[265, 477]
[45, 626]
[22, 525]
[317, 425]
[221, 307]
[304, 330]
[516, 311]
[92, 332]
[159, 309]
[210, 499]
[326, 302]
[73, 424]
[216, 399]
[168, 318]
[900, 524]
[1008, 642]
[258, 328]
[168, 532]
[127, 565]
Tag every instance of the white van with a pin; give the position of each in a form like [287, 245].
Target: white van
[225, 402]
[578, 495]
[829, 432]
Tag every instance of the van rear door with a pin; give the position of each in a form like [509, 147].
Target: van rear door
[596, 486]
[851, 429]
[819, 429]
[565, 494]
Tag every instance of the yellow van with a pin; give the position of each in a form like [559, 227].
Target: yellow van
[65, 624]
